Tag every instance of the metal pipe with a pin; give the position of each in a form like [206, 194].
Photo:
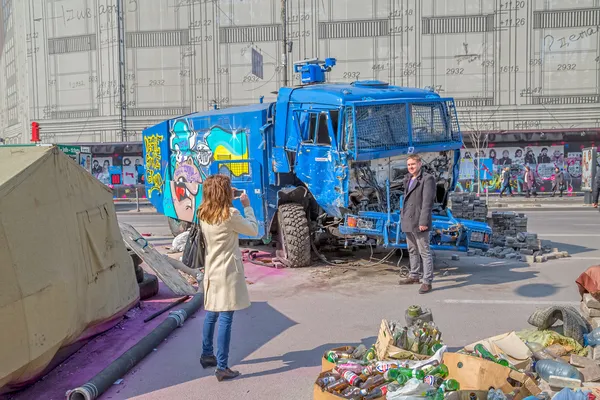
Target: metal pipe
[137, 199]
[105, 379]
[284, 39]
[167, 308]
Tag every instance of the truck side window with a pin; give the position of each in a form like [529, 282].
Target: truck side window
[322, 134]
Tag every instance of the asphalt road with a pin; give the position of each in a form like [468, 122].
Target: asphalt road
[298, 314]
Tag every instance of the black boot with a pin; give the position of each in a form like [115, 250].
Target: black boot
[208, 361]
[226, 374]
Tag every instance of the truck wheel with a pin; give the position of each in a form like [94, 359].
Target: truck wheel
[177, 227]
[294, 236]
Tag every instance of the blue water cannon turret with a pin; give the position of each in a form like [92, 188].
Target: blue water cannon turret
[313, 70]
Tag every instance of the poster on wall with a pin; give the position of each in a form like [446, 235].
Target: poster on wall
[85, 160]
[485, 166]
[133, 171]
[588, 168]
[467, 169]
[100, 169]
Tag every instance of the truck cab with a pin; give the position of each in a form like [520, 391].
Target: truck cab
[323, 164]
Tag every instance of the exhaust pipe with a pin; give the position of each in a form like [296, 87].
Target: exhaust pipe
[106, 378]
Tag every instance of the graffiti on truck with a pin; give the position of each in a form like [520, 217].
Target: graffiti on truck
[192, 153]
[543, 160]
[154, 177]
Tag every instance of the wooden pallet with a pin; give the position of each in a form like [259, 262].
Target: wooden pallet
[156, 261]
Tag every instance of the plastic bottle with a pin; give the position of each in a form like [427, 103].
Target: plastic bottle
[592, 338]
[394, 373]
[328, 379]
[434, 381]
[383, 366]
[496, 394]
[337, 385]
[372, 382]
[341, 368]
[352, 378]
[359, 352]
[482, 352]
[540, 353]
[377, 393]
[547, 368]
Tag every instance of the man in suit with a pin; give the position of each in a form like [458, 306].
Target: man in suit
[416, 222]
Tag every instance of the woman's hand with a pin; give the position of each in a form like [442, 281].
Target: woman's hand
[245, 200]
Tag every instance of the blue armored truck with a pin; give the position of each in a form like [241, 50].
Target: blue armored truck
[323, 165]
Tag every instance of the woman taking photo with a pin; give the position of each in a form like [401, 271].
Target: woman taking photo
[225, 289]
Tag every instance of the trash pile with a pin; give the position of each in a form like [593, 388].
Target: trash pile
[410, 361]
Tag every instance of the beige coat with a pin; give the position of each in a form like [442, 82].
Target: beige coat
[225, 286]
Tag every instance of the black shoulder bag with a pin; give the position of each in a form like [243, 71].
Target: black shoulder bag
[194, 252]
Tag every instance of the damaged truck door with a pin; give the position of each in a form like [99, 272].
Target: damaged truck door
[318, 162]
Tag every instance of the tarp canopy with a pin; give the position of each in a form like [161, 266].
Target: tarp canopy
[65, 274]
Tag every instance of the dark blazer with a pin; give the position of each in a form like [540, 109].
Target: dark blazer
[418, 203]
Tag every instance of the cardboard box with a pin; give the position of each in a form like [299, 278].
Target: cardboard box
[386, 349]
[320, 394]
[510, 345]
[478, 374]
[464, 395]
[325, 364]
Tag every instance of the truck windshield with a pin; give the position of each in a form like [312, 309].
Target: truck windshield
[386, 126]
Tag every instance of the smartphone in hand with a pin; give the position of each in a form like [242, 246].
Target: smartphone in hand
[237, 193]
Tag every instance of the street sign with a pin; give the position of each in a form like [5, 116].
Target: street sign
[71, 151]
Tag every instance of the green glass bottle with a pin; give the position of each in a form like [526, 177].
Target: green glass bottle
[332, 356]
[450, 385]
[371, 354]
[482, 352]
[439, 371]
[394, 373]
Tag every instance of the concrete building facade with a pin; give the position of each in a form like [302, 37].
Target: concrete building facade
[102, 70]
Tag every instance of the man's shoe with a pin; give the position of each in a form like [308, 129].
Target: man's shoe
[425, 288]
[226, 374]
[208, 361]
[408, 281]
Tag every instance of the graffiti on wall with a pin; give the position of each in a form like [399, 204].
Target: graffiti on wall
[154, 177]
[192, 154]
[543, 160]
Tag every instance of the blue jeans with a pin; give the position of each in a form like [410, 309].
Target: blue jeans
[223, 338]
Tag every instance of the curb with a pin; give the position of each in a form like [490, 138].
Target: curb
[137, 213]
[548, 208]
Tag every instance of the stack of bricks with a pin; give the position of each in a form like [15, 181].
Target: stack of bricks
[468, 206]
[590, 310]
[508, 223]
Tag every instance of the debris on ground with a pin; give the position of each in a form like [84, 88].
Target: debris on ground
[552, 359]
[179, 242]
[510, 238]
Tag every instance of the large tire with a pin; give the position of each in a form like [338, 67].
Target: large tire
[177, 227]
[148, 287]
[294, 236]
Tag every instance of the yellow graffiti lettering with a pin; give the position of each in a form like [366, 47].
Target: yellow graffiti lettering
[153, 155]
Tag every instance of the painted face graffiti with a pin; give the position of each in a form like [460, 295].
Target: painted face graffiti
[184, 188]
[204, 154]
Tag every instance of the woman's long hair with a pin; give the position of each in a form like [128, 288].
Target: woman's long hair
[217, 198]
